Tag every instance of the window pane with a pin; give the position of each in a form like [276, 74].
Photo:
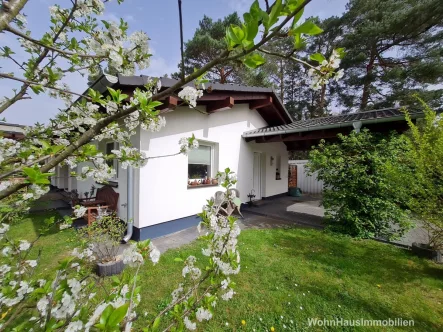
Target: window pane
[200, 156]
[196, 171]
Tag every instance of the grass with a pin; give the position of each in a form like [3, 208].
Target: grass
[54, 245]
[292, 275]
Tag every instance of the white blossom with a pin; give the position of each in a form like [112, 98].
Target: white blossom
[79, 211]
[228, 295]
[190, 95]
[3, 230]
[131, 257]
[154, 253]
[42, 306]
[32, 263]
[74, 326]
[24, 245]
[189, 324]
[203, 314]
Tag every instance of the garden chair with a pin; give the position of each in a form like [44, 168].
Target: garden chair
[228, 208]
[106, 198]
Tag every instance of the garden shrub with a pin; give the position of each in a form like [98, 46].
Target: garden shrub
[425, 179]
[359, 197]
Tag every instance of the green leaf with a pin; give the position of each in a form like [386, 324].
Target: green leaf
[156, 324]
[247, 44]
[299, 41]
[297, 17]
[105, 315]
[291, 6]
[308, 28]
[37, 89]
[36, 176]
[255, 10]
[317, 57]
[251, 28]
[254, 60]
[117, 316]
[106, 24]
[236, 33]
[178, 259]
[237, 201]
[154, 104]
[275, 12]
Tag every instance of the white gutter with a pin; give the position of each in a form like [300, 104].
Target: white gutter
[130, 203]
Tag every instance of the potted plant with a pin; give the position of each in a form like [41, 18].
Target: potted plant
[104, 235]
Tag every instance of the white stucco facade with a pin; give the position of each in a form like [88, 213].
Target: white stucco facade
[161, 189]
[164, 194]
[120, 182]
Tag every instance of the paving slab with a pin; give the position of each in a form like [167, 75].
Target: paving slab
[304, 211]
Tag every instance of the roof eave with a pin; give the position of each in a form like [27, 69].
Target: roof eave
[332, 126]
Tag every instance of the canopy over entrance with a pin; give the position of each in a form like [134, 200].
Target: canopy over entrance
[301, 135]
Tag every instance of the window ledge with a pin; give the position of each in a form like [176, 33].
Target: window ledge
[202, 186]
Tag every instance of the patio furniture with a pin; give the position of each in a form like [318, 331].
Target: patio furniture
[106, 198]
[230, 207]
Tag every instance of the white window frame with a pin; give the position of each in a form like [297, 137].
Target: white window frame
[115, 160]
[214, 157]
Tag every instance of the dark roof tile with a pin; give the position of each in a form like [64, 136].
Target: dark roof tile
[335, 121]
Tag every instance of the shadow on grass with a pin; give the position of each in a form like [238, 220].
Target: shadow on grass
[372, 278]
[38, 220]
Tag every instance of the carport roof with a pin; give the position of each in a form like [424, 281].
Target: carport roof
[336, 121]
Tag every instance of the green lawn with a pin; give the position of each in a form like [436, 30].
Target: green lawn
[54, 245]
[296, 274]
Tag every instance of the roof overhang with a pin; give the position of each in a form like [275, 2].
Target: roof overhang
[300, 135]
[217, 97]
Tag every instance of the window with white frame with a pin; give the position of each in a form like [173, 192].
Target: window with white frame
[112, 162]
[202, 163]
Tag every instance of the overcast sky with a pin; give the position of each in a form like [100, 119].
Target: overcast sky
[158, 18]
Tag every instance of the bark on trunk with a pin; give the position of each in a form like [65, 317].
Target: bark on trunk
[282, 82]
[367, 79]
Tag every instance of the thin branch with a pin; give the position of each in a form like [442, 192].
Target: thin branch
[269, 37]
[37, 42]
[9, 10]
[20, 95]
[29, 83]
[288, 57]
[95, 130]
[181, 40]
[5, 175]
[17, 63]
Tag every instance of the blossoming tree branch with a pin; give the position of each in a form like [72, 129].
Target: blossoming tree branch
[77, 41]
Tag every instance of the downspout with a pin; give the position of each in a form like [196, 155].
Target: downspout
[130, 203]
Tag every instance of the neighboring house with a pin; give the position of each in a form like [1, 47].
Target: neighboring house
[11, 130]
[163, 199]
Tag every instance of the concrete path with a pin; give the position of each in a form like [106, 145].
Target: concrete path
[303, 211]
[178, 239]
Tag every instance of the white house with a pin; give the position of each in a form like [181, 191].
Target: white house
[162, 198]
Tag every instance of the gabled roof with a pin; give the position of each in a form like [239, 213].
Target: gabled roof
[336, 121]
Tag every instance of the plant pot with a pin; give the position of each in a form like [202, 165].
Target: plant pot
[423, 250]
[294, 192]
[110, 268]
[214, 181]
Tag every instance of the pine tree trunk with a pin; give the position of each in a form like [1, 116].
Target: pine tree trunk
[321, 102]
[367, 80]
[282, 83]
[222, 76]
